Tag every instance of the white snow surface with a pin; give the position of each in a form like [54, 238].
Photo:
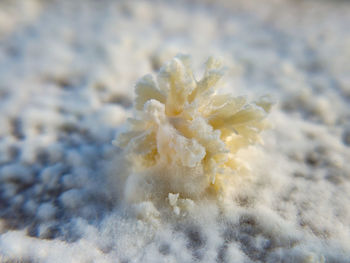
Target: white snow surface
[67, 76]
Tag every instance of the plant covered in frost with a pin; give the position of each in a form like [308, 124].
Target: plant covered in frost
[184, 136]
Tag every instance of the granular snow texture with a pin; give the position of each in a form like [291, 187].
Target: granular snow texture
[67, 73]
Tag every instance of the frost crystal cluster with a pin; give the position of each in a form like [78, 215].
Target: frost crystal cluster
[184, 137]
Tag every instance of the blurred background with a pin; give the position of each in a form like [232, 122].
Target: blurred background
[67, 76]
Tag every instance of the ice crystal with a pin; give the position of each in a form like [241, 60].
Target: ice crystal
[184, 136]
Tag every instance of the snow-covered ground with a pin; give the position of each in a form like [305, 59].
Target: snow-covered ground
[67, 76]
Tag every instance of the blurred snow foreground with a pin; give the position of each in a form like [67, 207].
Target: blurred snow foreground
[67, 69]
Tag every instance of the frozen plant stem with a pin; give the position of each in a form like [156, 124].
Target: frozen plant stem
[184, 136]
